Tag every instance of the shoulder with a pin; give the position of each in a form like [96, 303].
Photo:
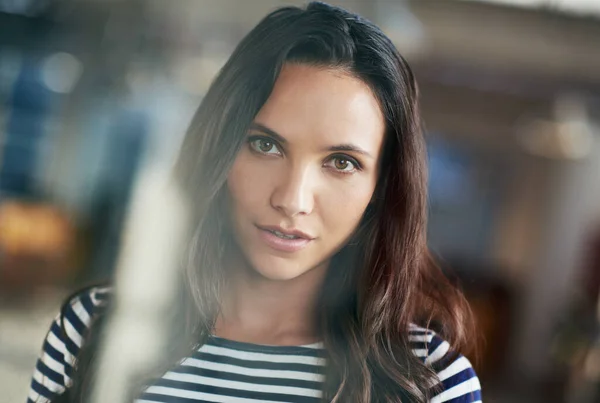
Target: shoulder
[456, 380]
[79, 309]
[55, 365]
[76, 316]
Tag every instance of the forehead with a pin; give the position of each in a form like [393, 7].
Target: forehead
[323, 105]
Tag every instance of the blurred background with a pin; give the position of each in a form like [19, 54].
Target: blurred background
[92, 90]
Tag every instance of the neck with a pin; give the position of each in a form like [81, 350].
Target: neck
[259, 310]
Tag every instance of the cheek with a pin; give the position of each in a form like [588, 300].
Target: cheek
[343, 206]
[248, 183]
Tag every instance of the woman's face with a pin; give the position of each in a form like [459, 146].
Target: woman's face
[301, 183]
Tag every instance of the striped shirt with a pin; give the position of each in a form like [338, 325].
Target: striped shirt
[229, 371]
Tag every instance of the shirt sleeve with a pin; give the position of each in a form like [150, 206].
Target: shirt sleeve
[456, 381]
[54, 367]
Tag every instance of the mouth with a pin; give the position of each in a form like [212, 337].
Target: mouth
[286, 234]
[284, 240]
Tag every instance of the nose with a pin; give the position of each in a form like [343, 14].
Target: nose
[294, 193]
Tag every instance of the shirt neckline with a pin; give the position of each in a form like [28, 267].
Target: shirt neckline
[265, 348]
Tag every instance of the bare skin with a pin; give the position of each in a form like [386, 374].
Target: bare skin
[310, 166]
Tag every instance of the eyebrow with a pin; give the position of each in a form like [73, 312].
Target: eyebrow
[350, 147]
[340, 147]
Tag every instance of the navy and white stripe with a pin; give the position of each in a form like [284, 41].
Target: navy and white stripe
[228, 371]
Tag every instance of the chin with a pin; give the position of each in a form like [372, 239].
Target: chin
[278, 269]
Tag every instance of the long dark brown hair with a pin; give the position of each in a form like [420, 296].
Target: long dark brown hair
[384, 279]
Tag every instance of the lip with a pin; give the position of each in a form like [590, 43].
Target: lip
[283, 245]
[293, 231]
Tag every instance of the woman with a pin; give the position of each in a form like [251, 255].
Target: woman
[309, 274]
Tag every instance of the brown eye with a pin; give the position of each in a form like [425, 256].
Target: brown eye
[343, 164]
